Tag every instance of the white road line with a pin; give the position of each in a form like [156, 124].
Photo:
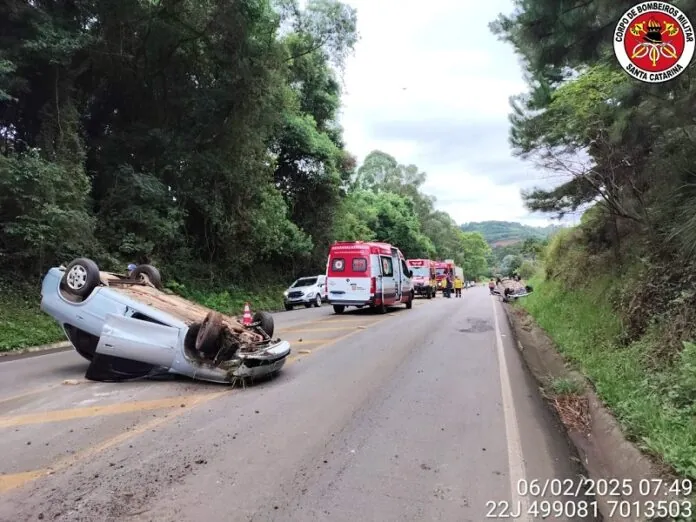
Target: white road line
[516, 465]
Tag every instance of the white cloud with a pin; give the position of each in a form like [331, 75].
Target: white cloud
[429, 84]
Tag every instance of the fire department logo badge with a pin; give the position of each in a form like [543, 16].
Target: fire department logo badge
[654, 42]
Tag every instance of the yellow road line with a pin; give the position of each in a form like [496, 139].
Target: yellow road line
[96, 411]
[28, 393]
[330, 329]
[330, 342]
[14, 480]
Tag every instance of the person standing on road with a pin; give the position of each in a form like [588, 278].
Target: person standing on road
[457, 287]
[491, 285]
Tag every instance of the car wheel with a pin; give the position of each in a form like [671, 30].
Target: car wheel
[409, 303]
[288, 307]
[266, 320]
[317, 301]
[191, 335]
[339, 309]
[81, 277]
[209, 333]
[150, 272]
[308, 305]
[428, 295]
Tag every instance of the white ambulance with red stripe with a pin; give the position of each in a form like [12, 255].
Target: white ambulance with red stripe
[370, 274]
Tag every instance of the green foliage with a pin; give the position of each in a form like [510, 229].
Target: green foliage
[655, 406]
[22, 324]
[527, 270]
[43, 211]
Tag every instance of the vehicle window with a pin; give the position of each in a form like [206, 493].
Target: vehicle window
[404, 267]
[338, 264]
[441, 271]
[420, 271]
[387, 267]
[359, 264]
[305, 281]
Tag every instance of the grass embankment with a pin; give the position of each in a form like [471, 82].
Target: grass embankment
[654, 400]
[23, 324]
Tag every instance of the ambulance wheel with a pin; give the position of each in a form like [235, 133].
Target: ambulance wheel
[409, 303]
[339, 309]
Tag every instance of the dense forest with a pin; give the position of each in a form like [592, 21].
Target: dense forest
[618, 292]
[202, 136]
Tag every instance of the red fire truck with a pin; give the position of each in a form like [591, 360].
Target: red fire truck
[444, 269]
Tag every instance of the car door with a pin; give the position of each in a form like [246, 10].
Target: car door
[407, 283]
[387, 275]
[321, 287]
[398, 273]
[138, 340]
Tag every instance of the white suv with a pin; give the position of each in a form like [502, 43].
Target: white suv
[307, 291]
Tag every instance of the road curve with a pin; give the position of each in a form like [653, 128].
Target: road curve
[417, 415]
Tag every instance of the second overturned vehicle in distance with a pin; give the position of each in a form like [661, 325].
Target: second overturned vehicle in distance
[130, 327]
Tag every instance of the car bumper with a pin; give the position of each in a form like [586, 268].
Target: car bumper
[248, 366]
[300, 300]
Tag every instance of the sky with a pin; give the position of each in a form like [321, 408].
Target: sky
[430, 85]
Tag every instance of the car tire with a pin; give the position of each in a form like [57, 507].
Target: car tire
[429, 295]
[288, 307]
[207, 340]
[409, 303]
[317, 301]
[339, 309]
[190, 337]
[81, 277]
[149, 271]
[267, 322]
[308, 305]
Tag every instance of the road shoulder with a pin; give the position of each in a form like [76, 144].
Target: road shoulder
[606, 453]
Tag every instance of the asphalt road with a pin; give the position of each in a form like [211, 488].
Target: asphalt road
[424, 414]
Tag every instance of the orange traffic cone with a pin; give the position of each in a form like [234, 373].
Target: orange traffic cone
[247, 315]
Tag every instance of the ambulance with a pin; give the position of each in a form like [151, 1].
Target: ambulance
[370, 274]
[424, 277]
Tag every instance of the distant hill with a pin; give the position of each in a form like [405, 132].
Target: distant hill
[506, 233]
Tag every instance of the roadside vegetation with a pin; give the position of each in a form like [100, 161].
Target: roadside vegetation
[618, 292]
[201, 137]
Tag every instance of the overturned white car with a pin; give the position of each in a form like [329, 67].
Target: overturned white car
[129, 327]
